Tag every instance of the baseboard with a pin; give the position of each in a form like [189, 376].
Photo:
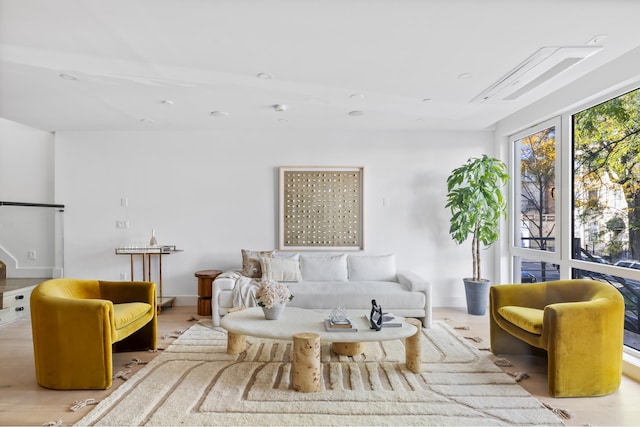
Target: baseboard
[186, 300]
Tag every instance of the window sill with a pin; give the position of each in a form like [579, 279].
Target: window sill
[631, 364]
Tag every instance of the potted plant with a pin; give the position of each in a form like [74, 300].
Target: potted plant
[474, 195]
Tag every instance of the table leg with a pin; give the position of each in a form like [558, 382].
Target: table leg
[236, 343]
[413, 356]
[306, 362]
[348, 348]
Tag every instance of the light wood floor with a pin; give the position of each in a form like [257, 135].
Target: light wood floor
[23, 402]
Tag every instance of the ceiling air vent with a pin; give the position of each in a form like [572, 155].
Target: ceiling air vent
[543, 65]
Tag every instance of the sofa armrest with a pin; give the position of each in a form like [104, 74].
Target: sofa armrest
[412, 281]
[415, 283]
[64, 331]
[220, 284]
[121, 292]
[575, 325]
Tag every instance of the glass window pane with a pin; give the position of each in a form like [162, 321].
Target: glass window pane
[536, 156]
[533, 271]
[606, 194]
[606, 179]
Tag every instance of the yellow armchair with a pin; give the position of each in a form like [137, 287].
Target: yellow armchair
[579, 323]
[77, 323]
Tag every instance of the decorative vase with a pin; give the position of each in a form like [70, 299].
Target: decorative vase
[477, 293]
[153, 241]
[274, 312]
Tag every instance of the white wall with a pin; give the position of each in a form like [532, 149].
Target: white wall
[26, 175]
[215, 193]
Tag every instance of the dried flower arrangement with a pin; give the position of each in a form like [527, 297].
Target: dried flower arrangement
[271, 293]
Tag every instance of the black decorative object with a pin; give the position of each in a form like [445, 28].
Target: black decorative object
[376, 316]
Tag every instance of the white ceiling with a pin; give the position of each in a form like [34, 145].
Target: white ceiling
[326, 58]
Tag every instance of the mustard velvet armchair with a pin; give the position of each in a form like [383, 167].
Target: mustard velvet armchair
[76, 324]
[579, 323]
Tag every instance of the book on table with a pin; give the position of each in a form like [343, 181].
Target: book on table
[339, 327]
[389, 320]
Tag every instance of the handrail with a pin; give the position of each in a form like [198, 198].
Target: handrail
[35, 205]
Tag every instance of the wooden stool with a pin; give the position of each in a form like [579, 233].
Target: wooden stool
[306, 362]
[348, 348]
[205, 283]
[413, 350]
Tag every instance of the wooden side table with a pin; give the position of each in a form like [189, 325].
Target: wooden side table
[205, 281]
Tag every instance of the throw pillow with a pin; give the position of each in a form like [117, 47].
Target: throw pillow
[378, 268]
[281, 269]
[324, 268]
[251, 262]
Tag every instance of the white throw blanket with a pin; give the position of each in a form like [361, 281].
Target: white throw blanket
[244, 290]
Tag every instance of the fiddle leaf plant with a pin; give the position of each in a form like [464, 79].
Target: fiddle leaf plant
[474, 195]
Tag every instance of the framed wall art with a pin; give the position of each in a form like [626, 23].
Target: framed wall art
[321, 208]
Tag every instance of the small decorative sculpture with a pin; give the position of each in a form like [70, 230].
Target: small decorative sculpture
[376, 316]
[339, 316]
[153, 241]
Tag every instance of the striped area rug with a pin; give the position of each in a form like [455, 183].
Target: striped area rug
[194, 382]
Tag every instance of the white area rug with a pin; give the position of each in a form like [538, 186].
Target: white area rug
[194, 382]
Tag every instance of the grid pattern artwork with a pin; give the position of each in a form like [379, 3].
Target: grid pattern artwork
[321, 208]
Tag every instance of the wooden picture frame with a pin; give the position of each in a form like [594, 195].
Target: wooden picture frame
[321, 208]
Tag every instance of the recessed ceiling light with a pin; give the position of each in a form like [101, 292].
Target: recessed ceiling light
[219, 114]
[279, 107]
[426, 99]
[465, 76]
[356, 113]
[264, 76]
[146, 121]
[67, 76]
[167, 102]
[356, 96]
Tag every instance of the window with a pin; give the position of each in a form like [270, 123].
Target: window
[536, 155]
[535, 230]
[606, 194]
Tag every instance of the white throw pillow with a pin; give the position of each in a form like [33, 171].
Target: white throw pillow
[281, 269]
[379, 268]
[324, 268]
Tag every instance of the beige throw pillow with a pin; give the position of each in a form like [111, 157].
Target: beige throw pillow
[251, 262]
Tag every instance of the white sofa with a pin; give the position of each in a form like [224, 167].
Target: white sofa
[328, 281]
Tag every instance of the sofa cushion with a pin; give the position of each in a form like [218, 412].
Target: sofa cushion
[281, 269]
[129, 312]
[529, 319]
[251, 262]
[363, 267]
[391, 296]
[329, 268]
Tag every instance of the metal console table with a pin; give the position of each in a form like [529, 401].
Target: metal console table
[146, 253]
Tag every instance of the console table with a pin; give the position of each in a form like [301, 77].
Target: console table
[146, 253]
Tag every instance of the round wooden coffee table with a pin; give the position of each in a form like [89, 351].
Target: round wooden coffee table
[306, 328]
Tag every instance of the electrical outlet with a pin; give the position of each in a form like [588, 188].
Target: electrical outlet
[123, 276]
[31, 255]
[122, 223]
